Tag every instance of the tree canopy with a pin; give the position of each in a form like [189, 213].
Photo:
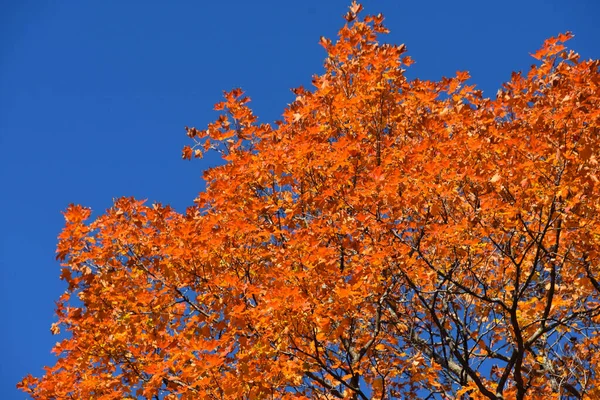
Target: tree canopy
[388, 238]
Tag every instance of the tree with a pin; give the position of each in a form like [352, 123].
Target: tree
[387, 239]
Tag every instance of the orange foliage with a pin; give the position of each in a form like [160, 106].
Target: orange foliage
[387, 239]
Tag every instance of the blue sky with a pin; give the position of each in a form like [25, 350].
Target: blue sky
[94, 97]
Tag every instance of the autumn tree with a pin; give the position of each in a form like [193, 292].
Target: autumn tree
[387, 239]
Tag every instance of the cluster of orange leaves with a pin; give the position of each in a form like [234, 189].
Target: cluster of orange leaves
[387, 239]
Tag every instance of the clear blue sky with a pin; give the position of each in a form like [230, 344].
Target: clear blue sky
[94, 97]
